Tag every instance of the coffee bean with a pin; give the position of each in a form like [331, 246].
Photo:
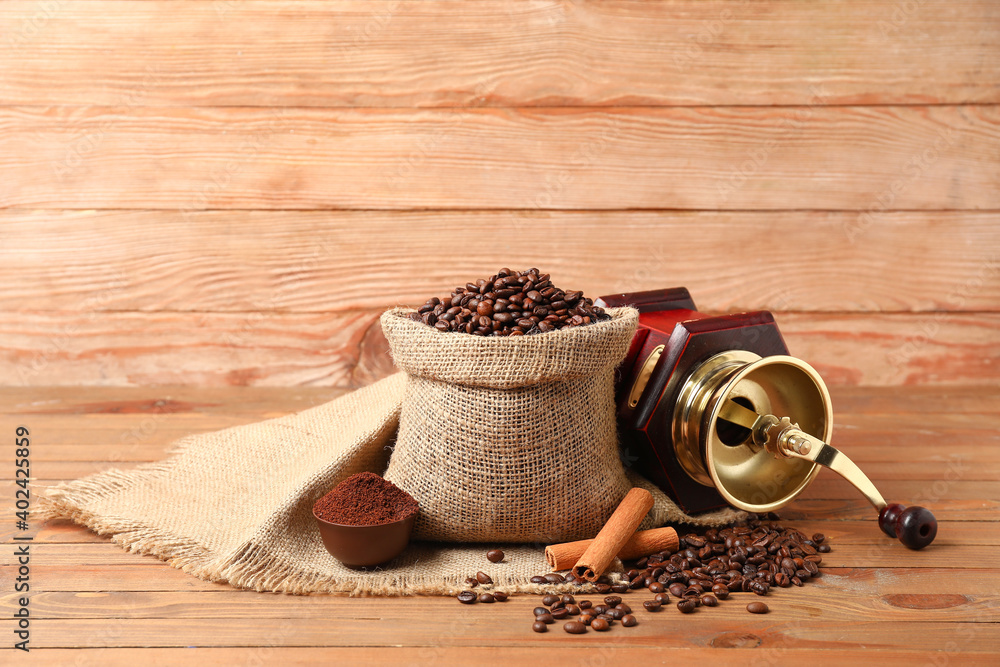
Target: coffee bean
[757, 608]
[572, 609]
[494, 555]
[721, 591]
[686, 606]
[559, 614]
[545, 618]
[823, 548]
[515, 304]
[586, 619]
[471, 582]
[601, 609]
[677, 590]
[500, 596]
[467, 597]
[624, 607]
[487, 598]
[630, 621]
[555, 578]
[709, 601]
[600, 625]
[538, 611]
[539, 626]
[585, 604]
[818, 538]
[602, 588]
[550, 600]
[796, 581]
[783, 580]
[577, 628]
[662, 598]
[539, 579]
[619, 588]
[656, 587]
[612, 600]
[568, 599]
[483, 578]
[652, 605]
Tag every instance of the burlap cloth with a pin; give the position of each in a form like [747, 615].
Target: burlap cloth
[235, 505]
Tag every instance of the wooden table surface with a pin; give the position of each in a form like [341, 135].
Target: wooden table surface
[93, 603]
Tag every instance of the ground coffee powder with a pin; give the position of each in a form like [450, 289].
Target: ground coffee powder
[365, 499]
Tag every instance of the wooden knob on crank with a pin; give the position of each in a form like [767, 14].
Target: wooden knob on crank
[914, 526]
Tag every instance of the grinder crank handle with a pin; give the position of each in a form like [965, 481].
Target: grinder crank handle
[914, 526]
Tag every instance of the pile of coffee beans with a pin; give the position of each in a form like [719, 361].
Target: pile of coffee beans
[510, 303]
[708, 567]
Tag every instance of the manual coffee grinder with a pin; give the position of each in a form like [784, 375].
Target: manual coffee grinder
[718, 413]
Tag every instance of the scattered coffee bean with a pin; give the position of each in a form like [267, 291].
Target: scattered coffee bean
[662, 598]
[677, 589]
[602, 588]
[500, 596]
[572, 609]
[630, 621]
[483, 578]
[471, 582]
[545, 618]
[577, 628]
[709, 601]
[539, 626]
[686, 606]
[494, 555]
[619, 588]
[555, 578]
[757, 608]
[486, 598]
[585, 604]
[600, 625]
[467, 597]
[559, 614]
[652, 605]
[624, 607]
[612, 600]
[549, 600]
[818, 538]
[539, 579]
[823, 548]
[538, 611]
[720, 591]
[568, 599]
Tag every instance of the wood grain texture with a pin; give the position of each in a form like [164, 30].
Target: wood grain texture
[500, 53]
[864, 159]
[322, 261]
[348, 349]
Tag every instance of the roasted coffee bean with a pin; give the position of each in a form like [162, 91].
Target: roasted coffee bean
[545, 618]
[572, 609]
[662, 598]
[624, 607]
[509, 303]
[652, 605]
[811, 568]
[656, 587]
[486, 598]
[602, 588]
[577, 628]
[686, 606]
[539, 579]
[796, 581]
[467, 597]
[554, 578]
[782, 580]
[721, 591]
[539, 626]
[677, 590]
[585, 604]
[471, 582]
[601, 609]
[483, 578]
[629, 621]
[709, 601]
[500, 596]
[818, 538]
[550, 600]
[560, 613]
[558, 604]
[619, 588]
[538, 611]
[823, 548]
[494, 555]
[757, 608]
[600, 625]
[568, 599]
[612, 600]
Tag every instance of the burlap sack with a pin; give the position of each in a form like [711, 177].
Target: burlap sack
[235, 505]
[509, 439]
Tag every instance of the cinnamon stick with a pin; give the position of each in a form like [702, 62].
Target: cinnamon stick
[613, 536]
[564, 556]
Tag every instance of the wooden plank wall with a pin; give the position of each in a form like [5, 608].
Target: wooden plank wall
[227, 192]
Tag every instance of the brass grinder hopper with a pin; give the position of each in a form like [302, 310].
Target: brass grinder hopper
[717, 412]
